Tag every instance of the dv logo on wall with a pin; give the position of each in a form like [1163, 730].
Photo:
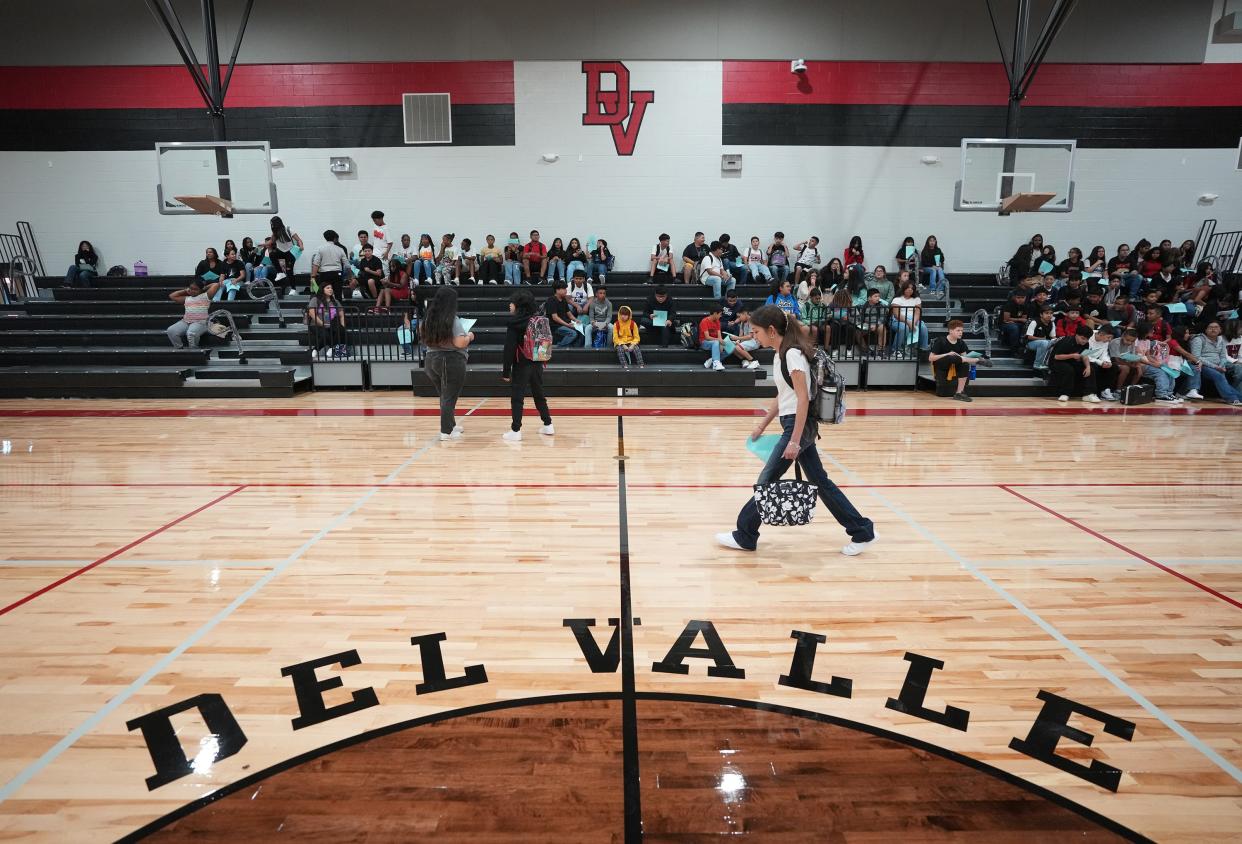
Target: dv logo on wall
[613, 107]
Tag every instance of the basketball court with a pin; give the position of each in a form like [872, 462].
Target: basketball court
[316, 619]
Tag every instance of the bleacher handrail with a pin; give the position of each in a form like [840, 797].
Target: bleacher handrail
[224, 316]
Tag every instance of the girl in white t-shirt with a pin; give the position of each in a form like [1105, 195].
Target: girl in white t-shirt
[775, 329]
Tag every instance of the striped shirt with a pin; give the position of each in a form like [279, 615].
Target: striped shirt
[196, 307]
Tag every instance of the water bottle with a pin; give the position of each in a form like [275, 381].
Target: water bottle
[972, 372]
[140, 269]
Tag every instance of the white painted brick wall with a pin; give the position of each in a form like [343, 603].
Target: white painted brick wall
[672, 183]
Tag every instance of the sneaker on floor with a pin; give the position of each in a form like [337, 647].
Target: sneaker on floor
[726, 539]
[547, 430]
[1168, 400]
[1236, 403]
[853, 549]
[458, 431]
[446, 437]
[707, 364]
[717, 366]
[1062, 398]
[1194, 394]
[512, 436]
[1091, 398]
[1108, 395]
[961, 397]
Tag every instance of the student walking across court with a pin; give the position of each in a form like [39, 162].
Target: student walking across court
[775, 329]
[447, 342]
[521, 370]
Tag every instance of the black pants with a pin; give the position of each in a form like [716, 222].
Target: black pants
[666, 331]
[447, 371]
[946, 386]
[526, 375]
[662, 277]
[490, 271]
[1068, 380]
[323, 335]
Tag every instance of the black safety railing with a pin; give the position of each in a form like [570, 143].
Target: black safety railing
[349, 333]
[869, 332]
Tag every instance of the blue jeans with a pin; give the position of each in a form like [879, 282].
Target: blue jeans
[1219, 380]
[1041, 348]
[780, 272]
[935, 278]
[566, 336]
[714, 282]
[513, 272]
[1011, 333]
[758, 270]
[428, 268]
[738, 271]
[599, 269]
[572, 266]
[901, 333]
[79, 277]
[555, 267]
[1164, 381]
[860, 528]
[1133, 283]
[231, 287]
[712, 346]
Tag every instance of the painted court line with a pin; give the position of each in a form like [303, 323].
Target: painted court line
[1200, 586]
[84, 569]
[32, 770]
[1101, 669]
[1038, 562]
[328, 412]
[649, 485]
[210, 564]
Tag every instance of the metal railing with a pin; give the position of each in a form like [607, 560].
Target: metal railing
[223, 317]
[981, 323]
[859, 333]
[368, 335]
[17, 281]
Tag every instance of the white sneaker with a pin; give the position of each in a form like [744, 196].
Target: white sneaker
[458, 431]
[751, 364]
[1062, 398]
[279, 276]
[1091, 398]
[1194, 394]
[726, 539]
[329, 354]
[446, 437]
[718, 366]
[853, 549]
[707, 364]
[314, 354]
[1108, 395]
[512, 436]
[547, 430]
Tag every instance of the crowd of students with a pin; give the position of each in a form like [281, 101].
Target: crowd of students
[1097, 325]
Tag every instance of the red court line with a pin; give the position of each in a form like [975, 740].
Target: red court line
[1121, 547]
[118, 551]
[653, 485]
[610, 412]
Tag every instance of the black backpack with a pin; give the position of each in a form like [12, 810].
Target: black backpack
[825, 388]
[117, 271]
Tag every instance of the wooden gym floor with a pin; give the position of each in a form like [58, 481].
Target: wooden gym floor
[313, 619]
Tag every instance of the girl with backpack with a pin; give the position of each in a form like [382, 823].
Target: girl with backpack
[447, 342]
[287, 247]
[520, 369]
[775, 329]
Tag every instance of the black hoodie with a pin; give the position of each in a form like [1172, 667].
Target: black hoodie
[668, 306]
[515, 334]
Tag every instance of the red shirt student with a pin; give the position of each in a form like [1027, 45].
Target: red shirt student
[1068, 324]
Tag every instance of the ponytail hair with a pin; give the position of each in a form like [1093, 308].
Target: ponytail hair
[793, 333]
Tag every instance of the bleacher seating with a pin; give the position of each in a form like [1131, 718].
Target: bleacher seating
[99, 341]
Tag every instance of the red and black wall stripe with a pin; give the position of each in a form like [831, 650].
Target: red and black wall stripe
[291, 106]
[939, 103]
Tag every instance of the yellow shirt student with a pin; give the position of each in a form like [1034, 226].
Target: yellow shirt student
[624, 332]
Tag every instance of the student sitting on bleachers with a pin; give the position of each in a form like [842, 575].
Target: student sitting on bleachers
[756, 261]
[660, 305]
[326, 320]
[1070, 321]
[842, 330]
[85, 266]
[232, 276]
[556, 261]
[873, 323]
[808, 257]
[1124, 354]
[949, 363]
[1013, 319]
[1180, 347]
[600, 314]
[712, 270]
[1154, 356]
[579, 293]
[1094, 312]
[880, 281]
[906, 319]
[424, 268]
[803, 289]
[1216, 365]
[1097, 353]
[1072, 372]
[197, 301]
[815, 318]
[625, 338]
[601, 261]
[661, 269]
[783, 298]
[370, 272]
[560, 313]
[710, 337]
[491, 261]
[1040, 334]
[396, 286]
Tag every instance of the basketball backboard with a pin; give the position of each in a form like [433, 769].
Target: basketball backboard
[238, 171]
[994, 170]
